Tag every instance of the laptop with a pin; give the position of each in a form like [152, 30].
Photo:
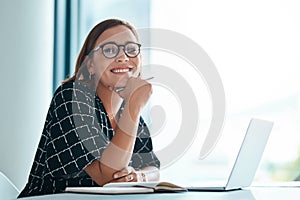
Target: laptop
[247, 160]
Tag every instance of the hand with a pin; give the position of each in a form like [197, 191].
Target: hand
[137, 91]
[128, 174]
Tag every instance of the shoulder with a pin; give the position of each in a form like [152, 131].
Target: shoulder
[73, 91]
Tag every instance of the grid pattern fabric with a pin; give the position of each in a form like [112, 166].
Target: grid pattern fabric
[76, 132]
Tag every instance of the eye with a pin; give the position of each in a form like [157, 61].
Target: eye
[132, 48]
[110, 49]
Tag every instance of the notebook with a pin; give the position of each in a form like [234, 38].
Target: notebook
[129, 188]
[247, 160]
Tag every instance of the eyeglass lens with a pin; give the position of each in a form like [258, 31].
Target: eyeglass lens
[111, 50]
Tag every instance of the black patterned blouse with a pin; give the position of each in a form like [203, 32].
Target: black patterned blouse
[76, 132]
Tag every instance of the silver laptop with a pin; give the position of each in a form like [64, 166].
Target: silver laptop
[248, 158]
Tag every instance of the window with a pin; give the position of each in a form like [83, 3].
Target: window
[256, 55]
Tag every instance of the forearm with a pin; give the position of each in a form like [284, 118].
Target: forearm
[118, 152]
[112, 160]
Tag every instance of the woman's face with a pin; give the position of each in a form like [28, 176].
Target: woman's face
[114, 72]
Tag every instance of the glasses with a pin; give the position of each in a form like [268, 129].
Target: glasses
[111, 49]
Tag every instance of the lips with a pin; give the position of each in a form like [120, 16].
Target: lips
[120, 70]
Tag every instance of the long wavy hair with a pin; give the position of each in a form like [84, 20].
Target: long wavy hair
[81, 71]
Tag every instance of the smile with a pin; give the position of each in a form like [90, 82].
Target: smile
[121, 70]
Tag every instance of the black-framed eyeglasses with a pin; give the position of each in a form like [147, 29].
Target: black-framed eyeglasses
[111, 49]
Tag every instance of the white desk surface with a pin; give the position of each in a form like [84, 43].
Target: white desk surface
[254, 193]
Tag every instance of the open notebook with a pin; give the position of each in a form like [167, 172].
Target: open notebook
[129, 188]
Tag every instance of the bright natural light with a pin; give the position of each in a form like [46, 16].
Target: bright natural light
[255, 47]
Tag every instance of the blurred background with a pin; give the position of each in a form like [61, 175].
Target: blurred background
[254, 45]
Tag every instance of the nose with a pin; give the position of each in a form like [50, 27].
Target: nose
[122, 57]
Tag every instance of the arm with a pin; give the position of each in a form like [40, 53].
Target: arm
[118, 153]
[145, 164]
[119, 149]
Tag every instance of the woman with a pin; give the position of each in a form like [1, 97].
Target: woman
[93, 132]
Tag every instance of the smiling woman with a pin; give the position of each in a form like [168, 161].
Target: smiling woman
[94, 135]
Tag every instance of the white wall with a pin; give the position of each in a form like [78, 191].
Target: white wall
[26, 53]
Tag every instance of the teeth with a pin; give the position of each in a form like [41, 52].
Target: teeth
[120, 70]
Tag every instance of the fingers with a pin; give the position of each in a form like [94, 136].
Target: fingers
[128, 178]
[133, 85]
[123, 172]
[127, 174]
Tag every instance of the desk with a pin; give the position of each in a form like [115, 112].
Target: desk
[254, 193]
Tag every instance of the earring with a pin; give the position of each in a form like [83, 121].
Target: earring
[90, 77]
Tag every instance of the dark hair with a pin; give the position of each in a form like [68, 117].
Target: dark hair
[80, 69]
